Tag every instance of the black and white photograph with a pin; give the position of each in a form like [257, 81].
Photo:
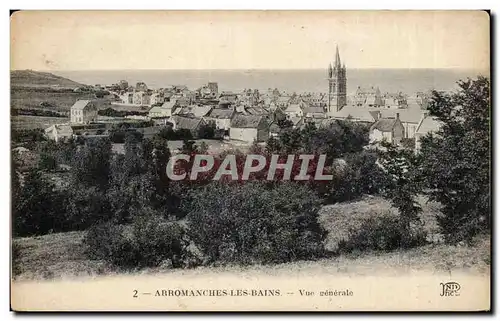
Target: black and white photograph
[250, 161]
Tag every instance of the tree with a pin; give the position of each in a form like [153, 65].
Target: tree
[207, 131]
[91, 164]
[37, 208]
[249, 222]
[402, 187]
[456, 159]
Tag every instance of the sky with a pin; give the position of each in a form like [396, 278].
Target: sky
[117, 40]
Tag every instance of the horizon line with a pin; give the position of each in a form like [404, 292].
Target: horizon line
[250, 69]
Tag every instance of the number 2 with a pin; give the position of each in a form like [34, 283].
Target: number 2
[135, 293]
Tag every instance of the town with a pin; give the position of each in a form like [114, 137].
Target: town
[242, 118]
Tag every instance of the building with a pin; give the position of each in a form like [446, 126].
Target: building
[314, 112]
[214, 88]
[141, 98]
[249, 128]
[395, 100]
[427, 124]
[156, 98]
[389, 129]
[227, 97]
[221, 117]
[368, 97]
[59, 132]
[190, 123]
[165, 110]
[127, 98]
[356, 114]
[294, 110]
[123, 85]
[337, 85]
[83, 112]
[283, 101]
[141, 86]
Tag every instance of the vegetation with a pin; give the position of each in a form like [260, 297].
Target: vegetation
[456, 161]
[110, 112]
[256, 224]
[134, 216]
[35, 112]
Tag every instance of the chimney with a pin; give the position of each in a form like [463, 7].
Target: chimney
[397, 115]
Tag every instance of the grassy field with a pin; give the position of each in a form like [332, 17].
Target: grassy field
[27, 97]
[34, 78]
[61, 255]
[33, 122]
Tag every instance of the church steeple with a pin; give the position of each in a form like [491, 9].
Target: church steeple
[337, 85]
[337, 58]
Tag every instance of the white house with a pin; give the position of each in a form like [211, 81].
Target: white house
[59, 132]
[294, 110]
[156, 98]
[249, 128]
[83, 112]
[165, 110]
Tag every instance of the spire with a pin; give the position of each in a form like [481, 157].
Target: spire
[337, 57]
[330, 70]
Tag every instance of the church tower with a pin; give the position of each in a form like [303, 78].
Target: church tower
[337, 85]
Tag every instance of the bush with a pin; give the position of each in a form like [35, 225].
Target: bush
[251, 223]
[148, 242]
[383, 233]
[37, 208]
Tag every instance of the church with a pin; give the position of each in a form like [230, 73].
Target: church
[337, 86]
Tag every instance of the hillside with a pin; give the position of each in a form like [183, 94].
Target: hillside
[31, 78]
[61, 255]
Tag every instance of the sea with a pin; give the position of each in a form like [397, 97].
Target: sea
[408, 81]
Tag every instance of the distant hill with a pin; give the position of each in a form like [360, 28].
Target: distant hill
[31, 78]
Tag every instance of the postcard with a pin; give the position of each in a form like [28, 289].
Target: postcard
[250, 161]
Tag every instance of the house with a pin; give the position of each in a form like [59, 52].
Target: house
[83, 112]
[249, 128]
[395, 100]
[294, 110]
[156, 98]
[314, 112]
[183, 101]
[200, 111]
[410, 117]
[59, 132]
[192, 124]
[127, 98]
[165, 110]
[427, 124]
[283, 101]
[141, 86]
[389, 129]
[356, 114]
[227, 97]
[141, 98]
[369, 97]
[221, 117]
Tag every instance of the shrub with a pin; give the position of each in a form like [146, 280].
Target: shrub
[37, 208]
[148, 242]
[383, 233]
[47, 162]
[252, 223]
